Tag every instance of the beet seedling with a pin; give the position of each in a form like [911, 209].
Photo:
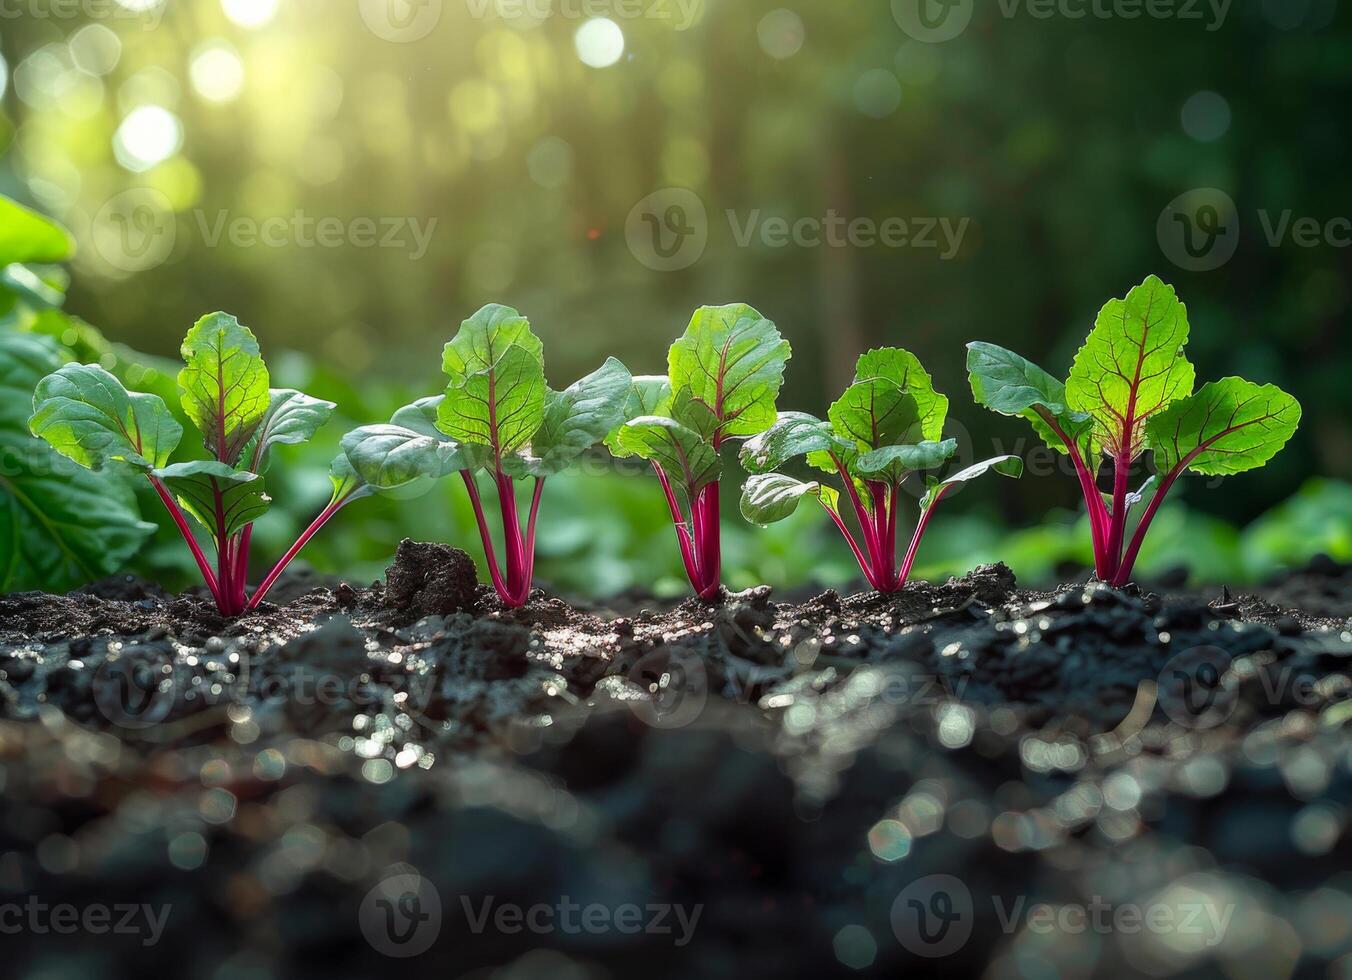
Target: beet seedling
[497, 415]
[723, 378]
[1131, 389]
[86, 414]
[887, 425]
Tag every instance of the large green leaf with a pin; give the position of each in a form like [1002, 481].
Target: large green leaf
[575, 419]
[732, 361]
[500, 407]
[1228, 426]
[292, 419]
[1010, 466]
[85, 414]
[650, 394]
[903, 369]
[421, 417]
[1132, 366]
[686, 458]
[485, 337]
[896, 461]
[388, 457]
[876, 413]
[771, 497]
[221, 498]
[1011, 385]
[794, 434]
[26, 236]
[225, 384]
[60, 525]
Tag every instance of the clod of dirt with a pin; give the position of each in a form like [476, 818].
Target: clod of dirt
[430, 580]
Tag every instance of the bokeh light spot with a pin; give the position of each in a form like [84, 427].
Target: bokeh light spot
[855, 947]
[216, 71]
[250, 13]
[150, 134]
[95, 49]
[877, 93]
[781, 33]
[1206, 116]
[600, 42]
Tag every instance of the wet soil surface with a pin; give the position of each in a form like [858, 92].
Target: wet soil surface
[966, 778]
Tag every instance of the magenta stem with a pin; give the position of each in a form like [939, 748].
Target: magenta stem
[688, 556]
[203, 565]
[498, 584]
[923, 523]
[334, 506]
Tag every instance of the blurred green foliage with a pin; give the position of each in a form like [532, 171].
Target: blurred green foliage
[1059, 139]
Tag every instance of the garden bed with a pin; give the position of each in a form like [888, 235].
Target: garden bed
[775, 776]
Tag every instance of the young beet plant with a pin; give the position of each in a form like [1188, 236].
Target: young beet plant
[886, 426]
[723, 378]
[497, 415]
[1131, 389]
[84, 413]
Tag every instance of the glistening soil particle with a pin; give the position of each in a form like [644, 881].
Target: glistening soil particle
[791, 769]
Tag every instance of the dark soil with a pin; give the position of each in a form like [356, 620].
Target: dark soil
[740, 789]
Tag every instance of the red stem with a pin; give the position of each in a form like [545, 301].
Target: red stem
[864, 565]
[498, 584]
[709, 540]
[242, 563]
[915, 538]
[512, 542]
[688, 556]
[1098, 513]
[530, 533]
[860, 512]
[176, 513]
[334, 506]
[1118, 529]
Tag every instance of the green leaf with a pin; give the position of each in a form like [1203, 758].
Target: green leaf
[896, 461]
[225, 384]
[26, 236]
[1228, 426]
[485, 337]
[876, 413]
[85, 414]
[1010, 466]
[500, 407]
[793, 434]
[650, 394]
[387, 457]
[1008, 384]
[221, 498]
[904, 370]
[421, 417]
[60, 525]
[771, 497]
[680, 451]
[732, 361]
[575, 419]
[346, 483]
[1132, 366]
[292, 419]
